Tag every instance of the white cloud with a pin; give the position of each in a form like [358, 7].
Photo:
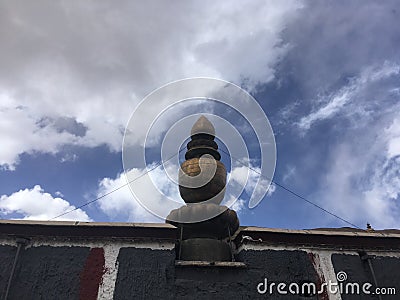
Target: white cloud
[121, 204]
[362, 181]
[361, 193]
[393, 139]
[68, 157]
[59, 194]
[290, 173]
[242, 176]
[238, 205]
[272, 189]
[93, 62]
[21, 132]
[339, 100]
[36, 204]
[248, 177]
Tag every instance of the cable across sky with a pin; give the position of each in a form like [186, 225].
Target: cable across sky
[160, 163]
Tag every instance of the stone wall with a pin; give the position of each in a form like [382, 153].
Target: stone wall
[116, 267]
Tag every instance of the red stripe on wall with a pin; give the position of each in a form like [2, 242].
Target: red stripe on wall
[91, 275]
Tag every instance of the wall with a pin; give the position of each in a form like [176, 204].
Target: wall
[144, 267]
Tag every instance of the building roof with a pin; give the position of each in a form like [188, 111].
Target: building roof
[346, 237]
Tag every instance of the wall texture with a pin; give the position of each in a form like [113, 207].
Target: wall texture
[130, 261]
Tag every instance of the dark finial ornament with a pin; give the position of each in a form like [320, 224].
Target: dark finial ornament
[202, 176]
[202, 183]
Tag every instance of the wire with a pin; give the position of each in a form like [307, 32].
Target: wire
[292, 192]
[118, 188]
[238, 160]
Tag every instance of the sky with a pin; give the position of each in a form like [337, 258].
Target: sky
[326, 74]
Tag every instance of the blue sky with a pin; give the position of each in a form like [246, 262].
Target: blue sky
[327, 75]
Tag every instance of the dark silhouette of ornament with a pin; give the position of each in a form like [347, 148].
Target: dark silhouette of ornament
[202, 183]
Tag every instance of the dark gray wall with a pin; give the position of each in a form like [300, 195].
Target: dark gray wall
[7, 254]
[43, 272]
[386, 269]
[149, 274]
[145, 274]
[60, 273]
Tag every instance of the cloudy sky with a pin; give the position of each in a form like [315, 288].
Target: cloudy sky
[326, 73]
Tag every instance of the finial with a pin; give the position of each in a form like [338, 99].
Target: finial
[202, 140]
[205, 224]
[203, 126]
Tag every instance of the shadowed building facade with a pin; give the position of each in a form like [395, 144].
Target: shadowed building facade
[71, 260]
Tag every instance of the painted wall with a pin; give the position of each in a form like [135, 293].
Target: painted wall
[107, 268]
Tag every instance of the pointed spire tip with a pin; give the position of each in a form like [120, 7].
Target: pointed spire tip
[203, 125]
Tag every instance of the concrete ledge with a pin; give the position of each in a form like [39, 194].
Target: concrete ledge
[343, 238]
[88, 230]
[219, 264]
